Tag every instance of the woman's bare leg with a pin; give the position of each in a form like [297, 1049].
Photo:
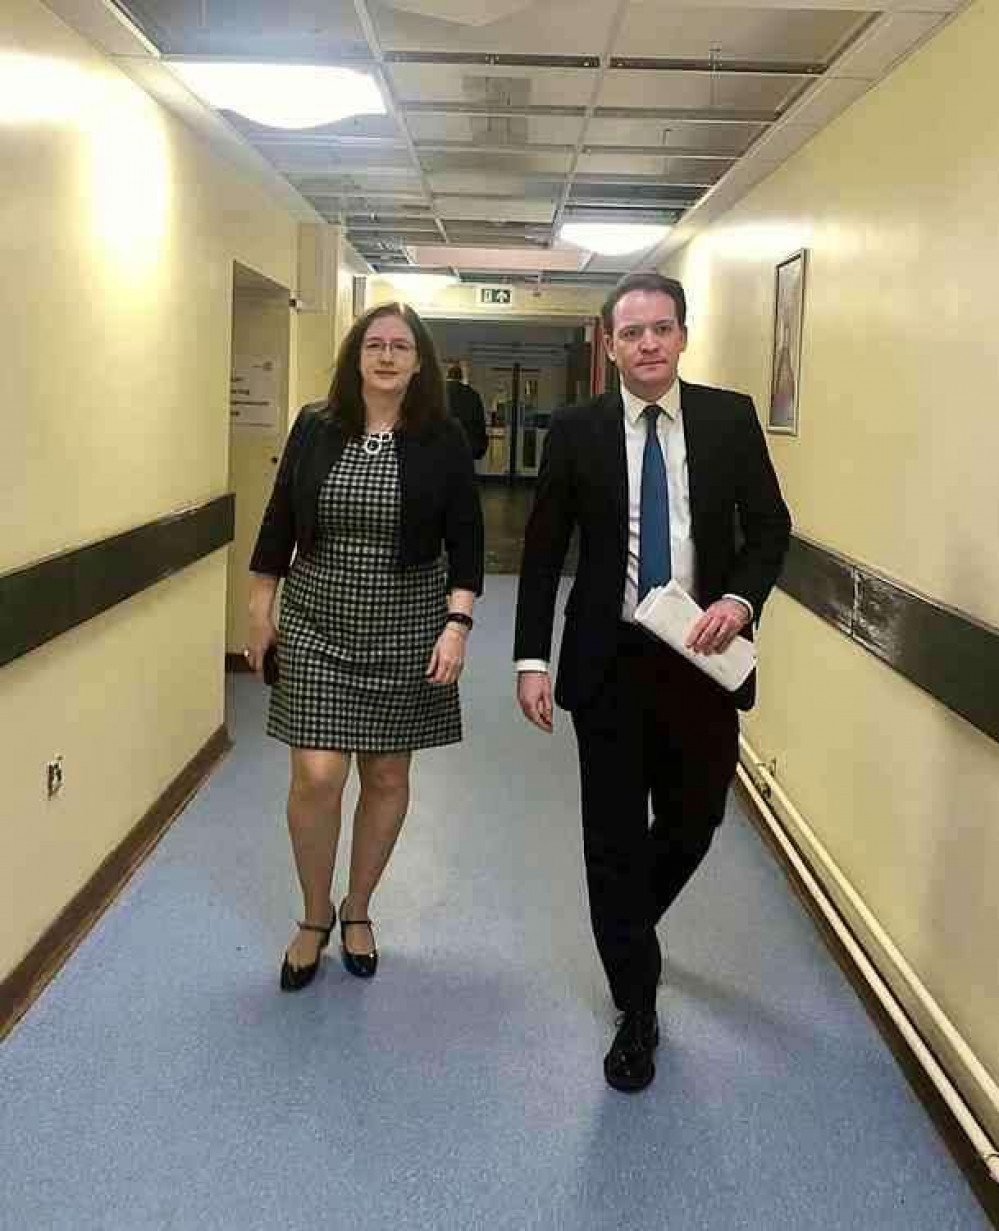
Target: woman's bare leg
[317, 782]
[381, 809]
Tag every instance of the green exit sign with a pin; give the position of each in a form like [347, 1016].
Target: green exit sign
[495, 296]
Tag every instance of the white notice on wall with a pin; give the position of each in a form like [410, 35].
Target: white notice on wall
[253, 392]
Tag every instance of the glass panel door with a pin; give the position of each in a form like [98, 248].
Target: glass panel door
[499, 399]
[516, 423]
[533, 423]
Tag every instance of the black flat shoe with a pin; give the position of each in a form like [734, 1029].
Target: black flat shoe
[629, 1066]
[294, 978]
[361, 965]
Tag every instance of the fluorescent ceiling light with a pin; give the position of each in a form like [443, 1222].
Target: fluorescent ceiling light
[611, 238]
[500, 260]
[282, 95]
[419, 284]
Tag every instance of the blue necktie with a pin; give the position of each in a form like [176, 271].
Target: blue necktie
[654, 567]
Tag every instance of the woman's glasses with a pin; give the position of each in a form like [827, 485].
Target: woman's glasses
[397, 347]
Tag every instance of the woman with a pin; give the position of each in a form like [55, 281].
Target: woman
[371, 486]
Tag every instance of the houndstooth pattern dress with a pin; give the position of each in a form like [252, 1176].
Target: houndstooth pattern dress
[357, 631]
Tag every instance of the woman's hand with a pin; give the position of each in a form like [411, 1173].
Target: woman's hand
[261, 636]
[448, 657]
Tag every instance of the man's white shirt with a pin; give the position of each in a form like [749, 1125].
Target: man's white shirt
[683, 559]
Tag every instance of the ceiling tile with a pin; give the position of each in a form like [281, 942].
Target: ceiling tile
[559, 27]
[826, 100]
[485, 164]
[461, 12]
[690, 32]
[695, 90]
[483, 209]
[265, 28]
[503, 86]
[888, 40]
[430, 255]
[709, 137]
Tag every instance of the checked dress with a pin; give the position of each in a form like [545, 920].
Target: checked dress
[356, 630]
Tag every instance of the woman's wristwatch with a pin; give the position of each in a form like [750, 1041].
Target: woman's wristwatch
[459, 617]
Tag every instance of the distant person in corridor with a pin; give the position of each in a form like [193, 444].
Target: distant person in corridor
[466, 406]
[654, 478]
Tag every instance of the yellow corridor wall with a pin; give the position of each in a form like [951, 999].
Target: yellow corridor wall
[118, 232]
[894, 466]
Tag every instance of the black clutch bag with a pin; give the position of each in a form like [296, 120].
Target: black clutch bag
[271, 672]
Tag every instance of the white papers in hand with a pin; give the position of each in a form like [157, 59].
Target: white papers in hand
[669, 612]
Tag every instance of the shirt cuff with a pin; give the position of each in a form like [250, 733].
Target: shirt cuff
[531, 664]
[745, 602]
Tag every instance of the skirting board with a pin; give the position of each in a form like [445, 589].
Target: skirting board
[26, 982]
[922, 1012]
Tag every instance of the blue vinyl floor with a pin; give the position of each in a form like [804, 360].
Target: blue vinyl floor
[163, 1082]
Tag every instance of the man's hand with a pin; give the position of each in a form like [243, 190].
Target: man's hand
[534, 692]
[718, 627]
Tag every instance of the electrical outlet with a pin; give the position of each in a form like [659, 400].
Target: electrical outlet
[54, 777]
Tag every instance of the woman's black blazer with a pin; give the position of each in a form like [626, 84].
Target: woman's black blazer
[440, 501]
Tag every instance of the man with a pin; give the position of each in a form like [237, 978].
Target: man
[466, 406]
[654, 477]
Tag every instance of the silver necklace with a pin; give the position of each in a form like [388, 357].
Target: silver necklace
[373, 442]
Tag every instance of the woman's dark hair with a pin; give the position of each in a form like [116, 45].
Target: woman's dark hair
[424, 402]
[644, 280]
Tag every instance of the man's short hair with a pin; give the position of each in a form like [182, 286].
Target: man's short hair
[644, 281]
[454, 372]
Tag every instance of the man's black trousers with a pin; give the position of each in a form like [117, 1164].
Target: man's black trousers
[657, 729]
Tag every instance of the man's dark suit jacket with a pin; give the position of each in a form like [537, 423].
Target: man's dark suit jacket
[740, 526]
[466, 406]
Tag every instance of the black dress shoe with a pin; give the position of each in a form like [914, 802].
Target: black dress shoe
[361, 965]
[294, 978]
[629, 1065]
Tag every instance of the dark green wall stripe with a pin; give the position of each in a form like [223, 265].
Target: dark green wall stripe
[821, 580]
[43, 600]
[948, 654]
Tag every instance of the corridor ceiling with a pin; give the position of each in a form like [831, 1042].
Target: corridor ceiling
[508, 117]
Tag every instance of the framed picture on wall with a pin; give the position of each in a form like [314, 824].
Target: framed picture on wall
[785, 369]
